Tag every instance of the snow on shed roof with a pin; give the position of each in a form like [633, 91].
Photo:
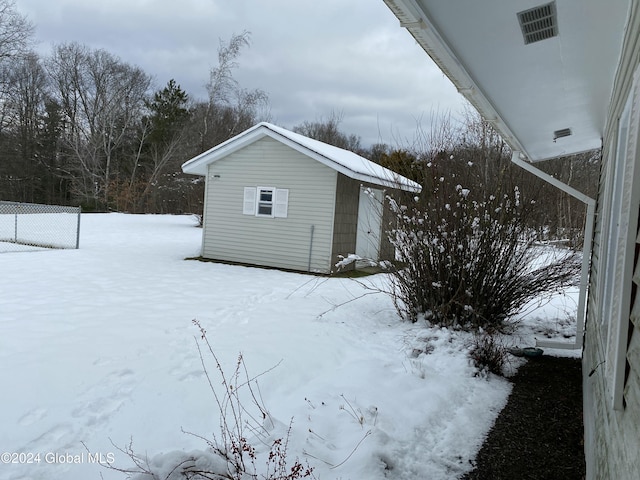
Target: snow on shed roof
[343, 161]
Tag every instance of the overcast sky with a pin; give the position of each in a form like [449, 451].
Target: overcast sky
[311, 57]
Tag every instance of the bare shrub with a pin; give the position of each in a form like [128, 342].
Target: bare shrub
[488, 353]
[467, 259]
[244, 447]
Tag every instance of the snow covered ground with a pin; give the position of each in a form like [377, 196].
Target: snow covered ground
[98, 351]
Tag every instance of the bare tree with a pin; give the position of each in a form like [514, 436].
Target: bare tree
[24, 110]
[102, 99]
[561, 215]
[230, 108]
[482, 144]
[15, 36]
[15, 30]
[327, 130]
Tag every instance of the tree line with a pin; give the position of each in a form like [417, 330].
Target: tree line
[81, 126]
[468, 152]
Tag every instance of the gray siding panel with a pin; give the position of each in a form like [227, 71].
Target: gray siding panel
[612, 437]
[278, 242]
[632, 387]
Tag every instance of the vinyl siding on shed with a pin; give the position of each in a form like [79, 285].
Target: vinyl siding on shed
[276, 242]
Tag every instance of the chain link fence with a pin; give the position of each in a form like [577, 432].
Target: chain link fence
[36, 225]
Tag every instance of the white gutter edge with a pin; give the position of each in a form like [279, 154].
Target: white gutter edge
[586, 250]
[420, 26]
[516, 158]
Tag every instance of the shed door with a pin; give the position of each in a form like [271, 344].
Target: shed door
[369, 223]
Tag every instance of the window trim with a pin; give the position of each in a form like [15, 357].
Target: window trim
[624, 244]
[611, 244]
[265, 203]
[279, 203]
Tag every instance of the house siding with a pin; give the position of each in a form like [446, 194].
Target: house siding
[612, 435]
[302, 239]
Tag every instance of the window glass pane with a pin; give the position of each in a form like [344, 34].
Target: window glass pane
[264, 209]
[266, 195]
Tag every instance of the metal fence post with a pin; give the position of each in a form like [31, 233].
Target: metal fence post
[15, 227]
[78, 229]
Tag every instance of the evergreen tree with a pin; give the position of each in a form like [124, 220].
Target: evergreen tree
[168, 113]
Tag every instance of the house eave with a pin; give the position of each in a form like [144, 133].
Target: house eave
[529, 92]
[429, 38]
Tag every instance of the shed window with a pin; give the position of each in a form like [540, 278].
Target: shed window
[266, 202]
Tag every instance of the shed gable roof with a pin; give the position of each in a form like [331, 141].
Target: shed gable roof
[348, 163]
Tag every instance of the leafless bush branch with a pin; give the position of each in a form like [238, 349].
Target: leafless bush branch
[470, 261]
[231, 453]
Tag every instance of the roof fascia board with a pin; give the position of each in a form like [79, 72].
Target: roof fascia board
[338, 166]
[199, 164]
[429, 38]
[315, 155]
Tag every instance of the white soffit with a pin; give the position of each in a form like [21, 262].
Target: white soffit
[534, 93]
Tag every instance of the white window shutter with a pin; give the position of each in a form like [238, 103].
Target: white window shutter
[281, 204]
[249, 204]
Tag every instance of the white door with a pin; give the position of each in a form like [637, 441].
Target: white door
[369, 223]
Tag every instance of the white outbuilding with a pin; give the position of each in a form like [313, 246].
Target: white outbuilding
[276, 198]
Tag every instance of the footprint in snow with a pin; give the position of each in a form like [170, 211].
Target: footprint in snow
[99, 410]
[191, 375]
[120, 374]
[32, 416]
[56, 434]
[105, 398]
[100, 362]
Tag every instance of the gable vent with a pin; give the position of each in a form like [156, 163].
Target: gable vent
[539, 23]
[565, 132]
